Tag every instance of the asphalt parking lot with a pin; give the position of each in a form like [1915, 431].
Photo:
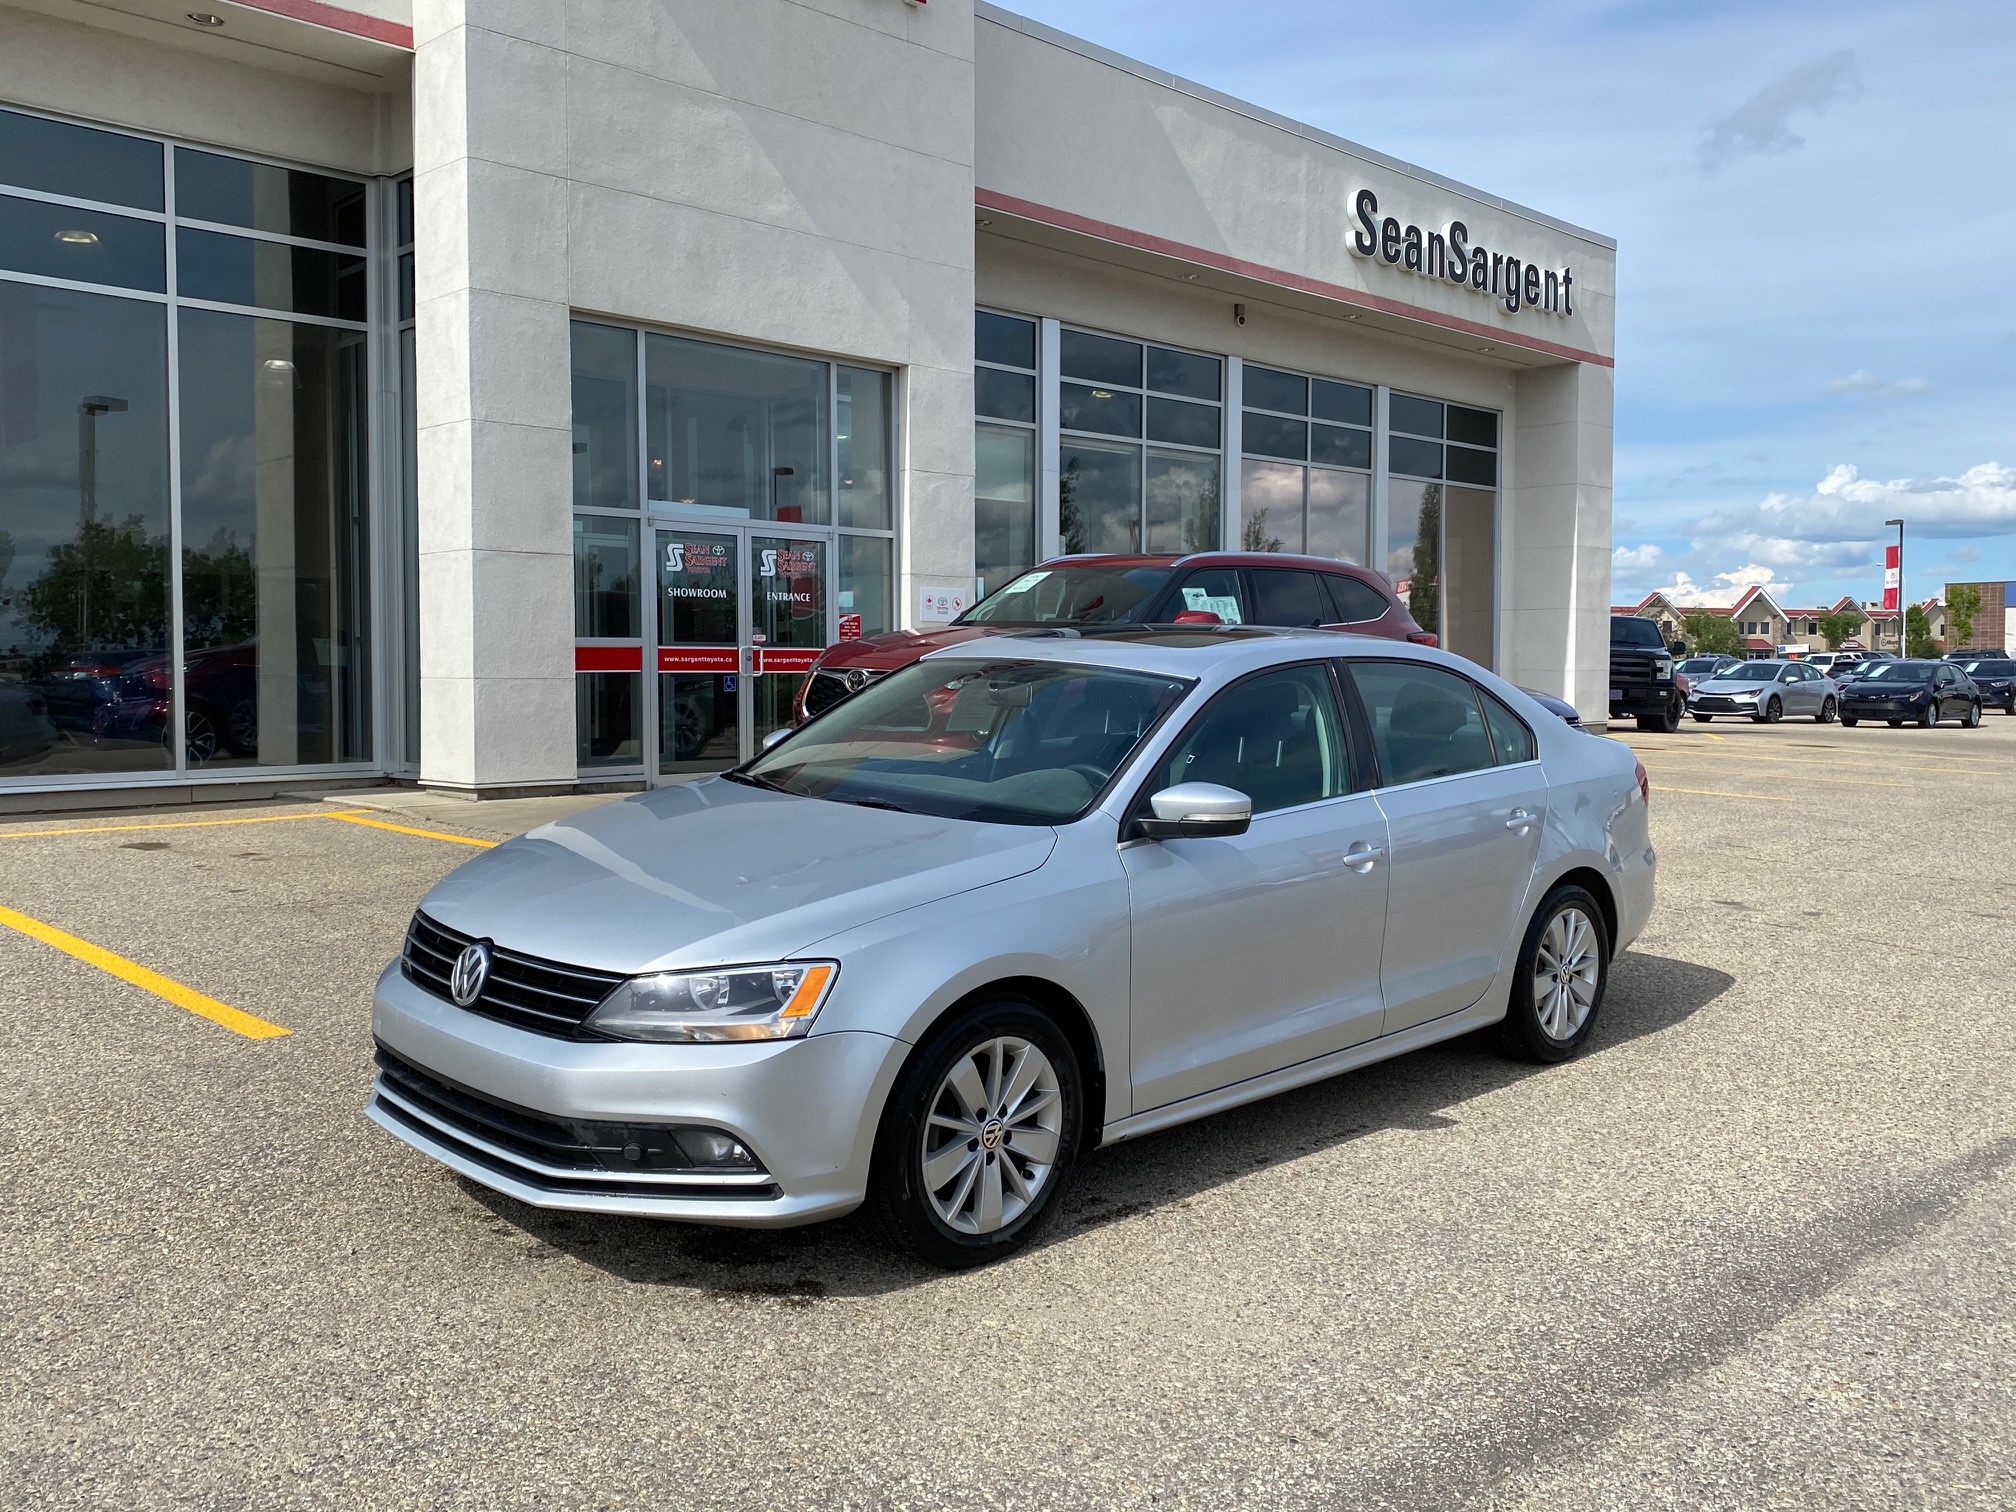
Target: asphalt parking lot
[1752, 1251]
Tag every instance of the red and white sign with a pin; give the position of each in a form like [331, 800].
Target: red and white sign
[782, 660]
[699, 659]
[850, 627]
[1892, 573]
[941, 605]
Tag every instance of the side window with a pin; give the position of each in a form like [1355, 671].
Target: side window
[1425, 721]
[1509, 733]
[1276, 738]
[1213, 590]
[1290, 599]
[1356, 601]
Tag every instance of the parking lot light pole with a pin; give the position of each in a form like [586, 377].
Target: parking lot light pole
[1903, 614]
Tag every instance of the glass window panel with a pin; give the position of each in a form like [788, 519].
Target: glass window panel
[85, 679]
[1182, 423]
[1183, 373]
[867, 581]
[699, 721]
[1425, 721]
[90, 246]
[1285, 597]
[1214, 590]
[862, 434]
[1004, 396]
[1272, 436]
[1277, 738]
[1417, 417]
[55, 157]
[1468, 466]
[1110, 412]
[1335, 446]
[788, 585]
[605, 416]
[1182, 502]
[1474, 426]
[1509, 733]
[405, 285]
[1267, 388]
[1356, 602]
[1004, 339]
[1004, 504]
[1350, 403]
[1414, 549]
[409, 544]
[1422, 459]
[1340, 514]
[236, 192]
[1469, 520]
[1100, 359]
[608, 729]
[270, 275]
[1099, 497]
[275, 546]
[605, 577]
[404, 215]
[699, 600]
[736, 432]
[1270, 507]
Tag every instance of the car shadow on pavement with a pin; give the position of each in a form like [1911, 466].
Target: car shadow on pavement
[848, 1257]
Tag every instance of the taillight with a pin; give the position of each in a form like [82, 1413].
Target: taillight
[1644, 782]
[1421, 637]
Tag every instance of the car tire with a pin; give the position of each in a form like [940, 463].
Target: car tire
[1827, 713]
[914, 1185]
[1929, 715]
[1849, 721]
[1703, 718]
[1894, 723]
[1540, 1023]
[1665, 722]
[1971, 720]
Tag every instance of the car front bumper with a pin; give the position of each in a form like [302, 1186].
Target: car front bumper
[808, 1110]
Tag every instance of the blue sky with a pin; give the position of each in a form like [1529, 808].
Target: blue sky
[1815, 209]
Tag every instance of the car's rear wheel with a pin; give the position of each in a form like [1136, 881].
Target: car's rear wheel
[1557, 988]
[978, 1138]
[1849, 721]
[1826, 714]
[1703, 718]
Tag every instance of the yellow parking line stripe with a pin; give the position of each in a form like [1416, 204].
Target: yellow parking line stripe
[113, 829]
[1717, 793]
[1722, 758]
[234, 1019]
[1843, 781]
[407, 829]
[1713, 736]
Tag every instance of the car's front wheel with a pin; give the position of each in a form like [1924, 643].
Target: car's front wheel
[1557, 990]
[1929, 715]
[978, 1138]
[1849, 721]
[1771, 713]
[1826, 714]
[1703, 718]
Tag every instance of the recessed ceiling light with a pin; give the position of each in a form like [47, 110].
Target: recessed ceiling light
[1189, 278]
[1487, 349]
[277, 365]
[1350, 317]
[985, 221]
[206, 18]
[78, 238]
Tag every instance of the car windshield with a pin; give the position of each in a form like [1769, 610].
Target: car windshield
[999, 741]
[1900, 671]
[1991, 668]
[1757, 671]
[1091, 594]
[1694, 666]
[1626, 631]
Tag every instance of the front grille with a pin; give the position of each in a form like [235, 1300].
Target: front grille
[828, 688]
[560, 1148]
[544, 996]
[1710, 701]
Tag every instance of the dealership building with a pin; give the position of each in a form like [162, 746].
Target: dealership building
[514, 395]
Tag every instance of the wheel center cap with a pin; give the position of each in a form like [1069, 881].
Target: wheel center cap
[990, 1134]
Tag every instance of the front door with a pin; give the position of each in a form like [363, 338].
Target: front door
[742, 615]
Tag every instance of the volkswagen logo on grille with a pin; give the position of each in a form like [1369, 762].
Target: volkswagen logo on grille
[472, 970]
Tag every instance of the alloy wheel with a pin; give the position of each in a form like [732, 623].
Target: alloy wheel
[992, 1135]
[1565, 973]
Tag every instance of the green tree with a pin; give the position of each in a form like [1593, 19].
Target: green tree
[1840, 626]
[1963, 602]
[1253, 533]
[1424, 589]
[108, 587]
[1918, 633]
[1711, 634]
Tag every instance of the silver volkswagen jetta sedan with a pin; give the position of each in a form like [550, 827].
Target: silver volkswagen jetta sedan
[1007, 904]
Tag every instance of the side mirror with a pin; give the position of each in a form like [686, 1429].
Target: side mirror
[1196, 617]
[1197, 811]
[775, 738]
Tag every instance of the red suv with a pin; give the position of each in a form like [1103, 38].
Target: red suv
[1208, 588]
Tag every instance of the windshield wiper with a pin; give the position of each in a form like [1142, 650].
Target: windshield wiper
[875, 803]
[755, 780]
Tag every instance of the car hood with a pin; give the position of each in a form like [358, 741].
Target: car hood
[899, 648]
[1728, 685]
[713, 873]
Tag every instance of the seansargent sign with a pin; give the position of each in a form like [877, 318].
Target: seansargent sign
[1451, 256]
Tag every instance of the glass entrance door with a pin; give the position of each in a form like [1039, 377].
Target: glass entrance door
[743, 612]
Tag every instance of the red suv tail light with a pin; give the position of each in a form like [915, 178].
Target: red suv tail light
[1644, 782]
[1422, 637]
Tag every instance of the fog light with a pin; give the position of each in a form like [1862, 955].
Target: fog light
[710, 1147]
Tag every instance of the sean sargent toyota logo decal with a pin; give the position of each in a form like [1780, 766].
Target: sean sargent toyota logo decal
[472, 970]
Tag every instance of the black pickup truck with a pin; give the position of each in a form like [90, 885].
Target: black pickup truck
[1641, 675]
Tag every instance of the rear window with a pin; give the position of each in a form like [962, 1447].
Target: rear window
[1626, 631]
[1991, 668]
[1356, 601]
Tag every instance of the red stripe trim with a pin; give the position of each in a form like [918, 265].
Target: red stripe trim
[786, 661]
[608, 658]
[699, 659]
[335, 18]
[1067, 220]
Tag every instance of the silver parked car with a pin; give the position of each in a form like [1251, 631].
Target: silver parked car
[1008, 903]
[1766, 691]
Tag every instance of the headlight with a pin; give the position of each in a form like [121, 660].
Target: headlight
[732, 1003]
[1744, 693]
[1662, 667]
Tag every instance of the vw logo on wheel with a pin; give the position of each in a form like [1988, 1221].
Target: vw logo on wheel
[472, 970]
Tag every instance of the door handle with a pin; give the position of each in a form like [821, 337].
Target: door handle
[1521, 821]
[1361, 856]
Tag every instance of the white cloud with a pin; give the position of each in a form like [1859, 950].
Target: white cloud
[1726, 587]
[1862, 381]
[1762, 125]
[1636, 559]
[1847, 507]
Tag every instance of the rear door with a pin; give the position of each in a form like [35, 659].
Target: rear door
[1465, 831]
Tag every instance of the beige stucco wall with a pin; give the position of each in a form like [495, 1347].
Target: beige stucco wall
[770, 171]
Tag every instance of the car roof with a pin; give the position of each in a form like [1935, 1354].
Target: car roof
[1180, 651]
[1214, 559]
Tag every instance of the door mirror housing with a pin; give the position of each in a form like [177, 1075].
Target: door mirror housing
[1196, 811]
[775, 738]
